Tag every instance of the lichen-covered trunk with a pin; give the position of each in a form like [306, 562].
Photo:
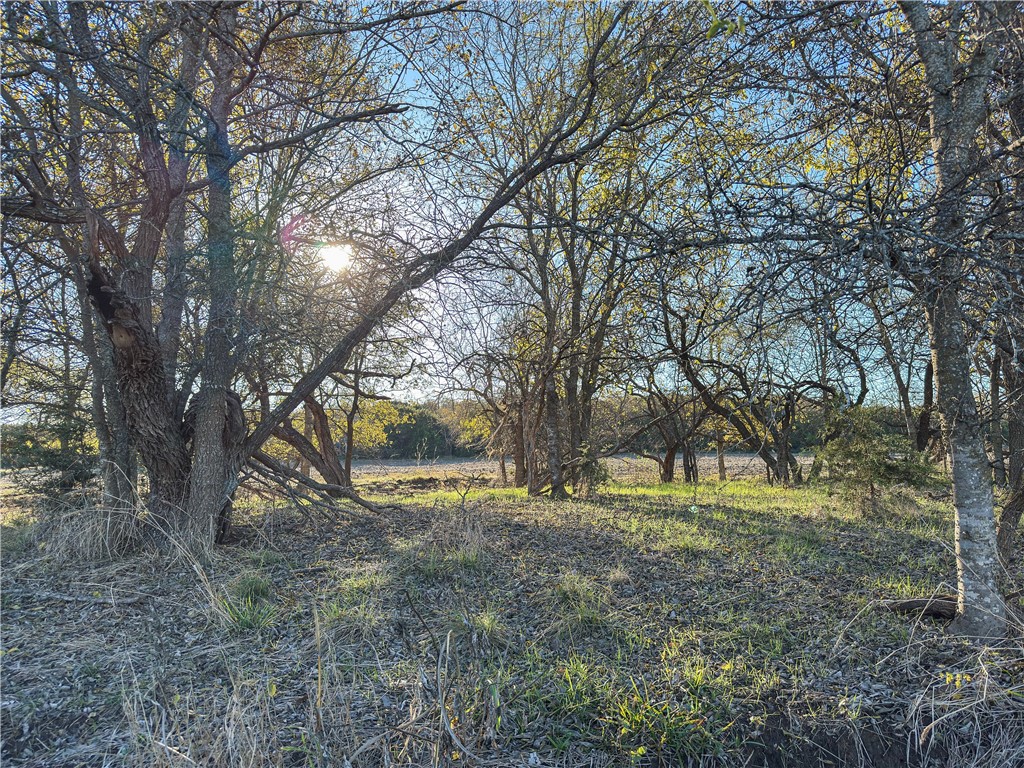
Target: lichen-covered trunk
[212, 480]
[981, 611]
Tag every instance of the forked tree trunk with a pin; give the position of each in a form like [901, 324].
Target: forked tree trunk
[689, 464]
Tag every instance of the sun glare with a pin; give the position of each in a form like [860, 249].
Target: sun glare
[336, 257]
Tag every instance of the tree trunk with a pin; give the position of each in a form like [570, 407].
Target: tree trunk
[981, 611]
[720, 454]
[210, 483]
[667, 465]
[956, 86]
[519, 449]
[924, 423]
[305, 466]
[995, 424]
[554, 437]
[689, 464]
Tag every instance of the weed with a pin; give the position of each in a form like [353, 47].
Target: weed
[263, 558]
[582, 691]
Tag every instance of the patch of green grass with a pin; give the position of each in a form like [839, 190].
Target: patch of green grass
[583, 597]
[251, 587]
[583, 686]
[262, 558]
[245, 614]
[353, 607]
[431, 563]
[651, 726]
[902, 587]
[798, 547]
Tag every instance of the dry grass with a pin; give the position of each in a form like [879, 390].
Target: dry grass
[725, 625]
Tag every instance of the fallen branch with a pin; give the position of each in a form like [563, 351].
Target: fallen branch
[269, 466]
[939, 606]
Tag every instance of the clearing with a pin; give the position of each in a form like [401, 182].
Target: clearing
[724, 624]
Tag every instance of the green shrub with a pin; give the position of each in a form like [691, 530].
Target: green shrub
[867, 455]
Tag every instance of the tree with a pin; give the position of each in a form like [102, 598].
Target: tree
[959, 46]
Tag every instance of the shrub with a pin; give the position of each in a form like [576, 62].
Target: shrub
[866, 454]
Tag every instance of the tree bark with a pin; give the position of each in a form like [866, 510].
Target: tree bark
[956, 110]
[554, 438]
[981, 611]
[210, 484]
[668, 464]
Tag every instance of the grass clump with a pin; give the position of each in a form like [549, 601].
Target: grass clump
[247, 604]
[585, 601]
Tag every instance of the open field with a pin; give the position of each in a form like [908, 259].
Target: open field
[727, 624]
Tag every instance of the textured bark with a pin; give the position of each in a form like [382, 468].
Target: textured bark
[956, 88]
[981, 611]
[141, 382]
[211, 483]
[667, 465]
[720, 452]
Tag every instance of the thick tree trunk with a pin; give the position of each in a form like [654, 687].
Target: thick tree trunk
[957, 81]
[209, 491]
[981, 611]
[142, 385]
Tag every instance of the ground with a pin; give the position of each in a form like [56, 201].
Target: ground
[723, 624]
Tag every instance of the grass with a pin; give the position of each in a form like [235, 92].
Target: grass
[653, 625]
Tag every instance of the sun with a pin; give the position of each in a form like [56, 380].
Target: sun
[336, 257]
